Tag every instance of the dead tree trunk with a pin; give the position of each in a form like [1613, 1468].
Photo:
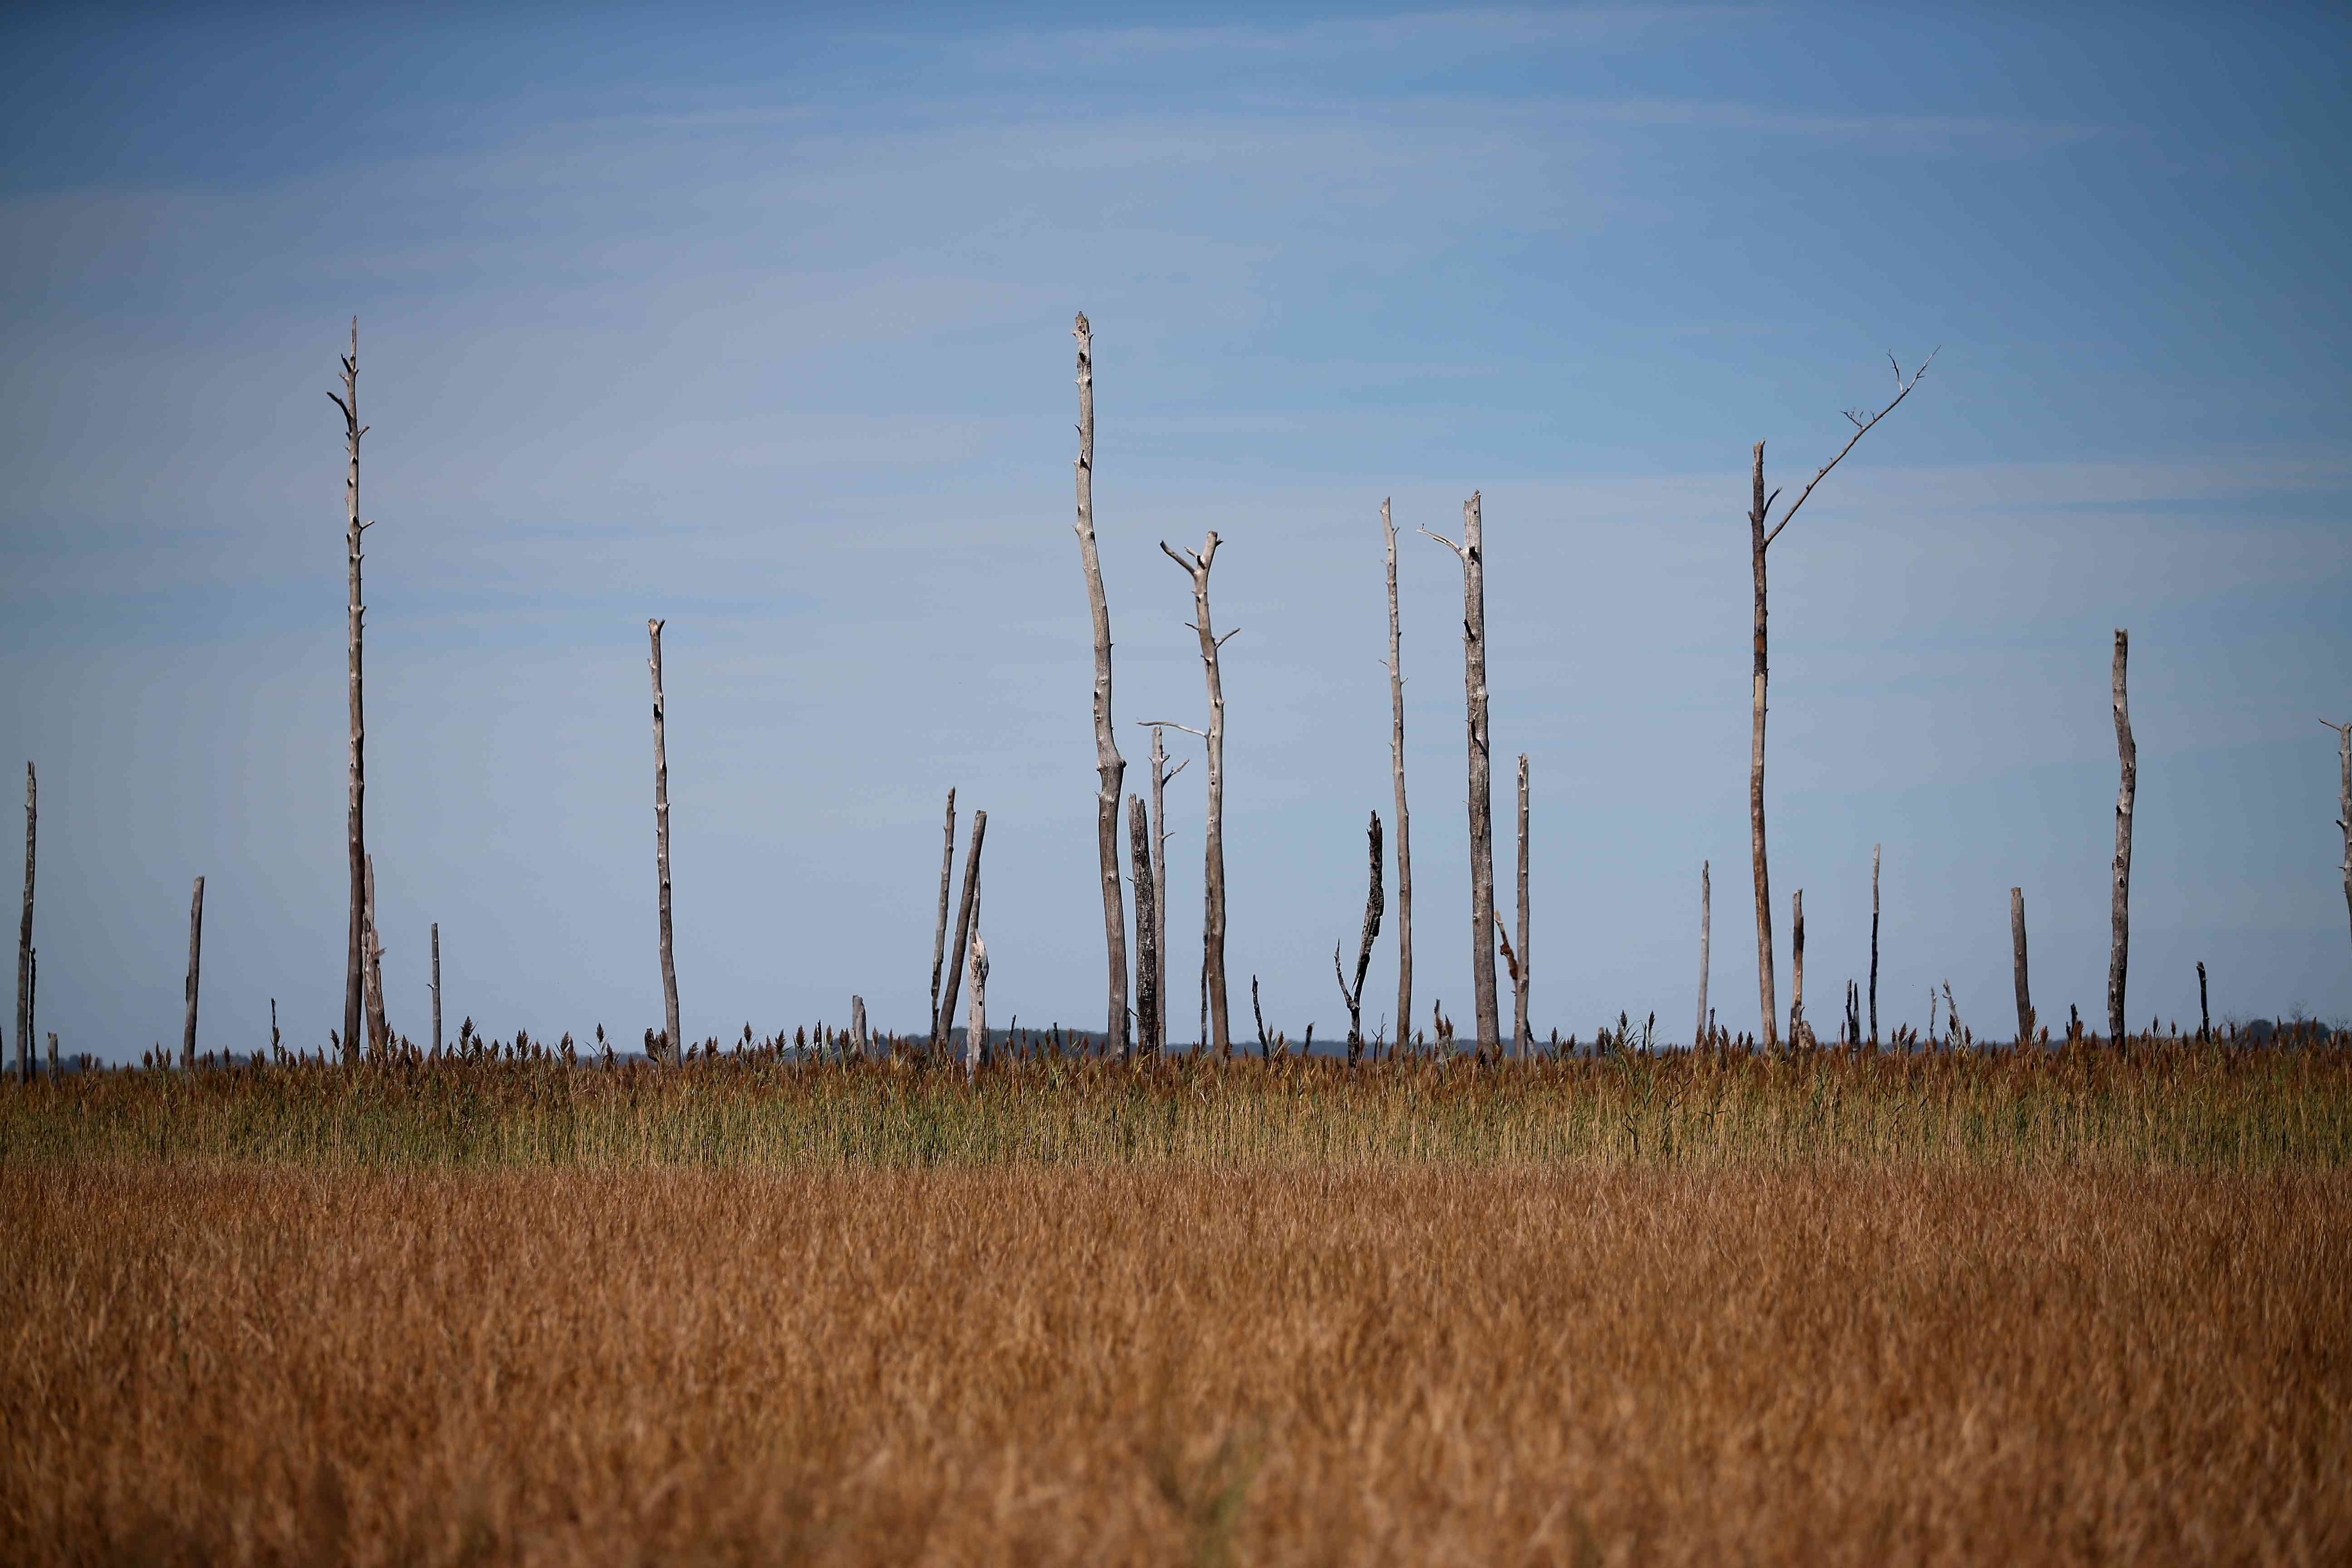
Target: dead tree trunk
[858, 1026]
[967, 916]
[1396, 771]
[355, 615]
[1161, 774]
[1109, 766]
[2343, 807]
[1797, 1001]
[379, 1032]
[25, 933]
[1522, 1031]
[2119, 906]
[1874, 943]
[1353, 996]
[975, 1032]
[2204, 1013]
[195, 973]
[939, 933]
[2017, 963]
[1213, 935]
[1149, 1021]
[673, 1046]
[1483, 921]
[1759, 541]
[1705, 920]
[436, 988]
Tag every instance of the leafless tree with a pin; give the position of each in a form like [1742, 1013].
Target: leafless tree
[2119, 906]
[939, 933]
[1761, 531]
[25, 933]
[436, 988]
[1705, 920]
[2343, 808]
[1396, 772]
[2204, 1013]
[1109, 766]
[1797, 1001]
[1149, 1019]
[1161, 774]
[967, 916]
[355, 804]
[975, 1032]
[379, 1031]
[195, 973]
[2017, 964]
[858, 1026]
[673, 1042]
[1213, 939]
[1353, 995]
[1522, 1031]
[1472, 552]
[1874, 943]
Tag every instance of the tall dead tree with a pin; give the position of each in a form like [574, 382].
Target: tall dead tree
[1151, 1021]
[1110, 768]
[858, 1027]
[975, 1030]
[673, 1046]
[1705, 920]
[2017, 966]
[1522, 1031]
[1761, 531]
[967, 914]
[379, 1031]
[1213, 936]
[2343, 808]
[1396, 772]
[1874, 943]
[1353, 995]
[2127, 787]
[1483, 921]
[1161, 774]
[2204, 1013]
[939, 933]
[1797, 1001]
[436, 988]
[25, 933]
[355, 617]
[195, 973]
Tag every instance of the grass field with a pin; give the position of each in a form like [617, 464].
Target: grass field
[2082, 1307]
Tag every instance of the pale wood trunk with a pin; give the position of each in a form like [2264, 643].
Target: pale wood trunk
[1149, 1019]
[379, 1032]
[2017, 964]
[1484, 922]
[1522, 1030]
[195, 973]
[1796, 963]
[24, 931]
[967, 914]
[673, 1042]
[1396, 772]
[1160, 774]
[1213, 932]
[355, 793]
[1705, 920]
[436, 988]
[975, 1033]
[2119, 905]
[940, 931]
[1874, 943]
[857, 1044]
[1110, 768]
[1766, 989]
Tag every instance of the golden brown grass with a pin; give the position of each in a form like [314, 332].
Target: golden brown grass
[1163, 1360]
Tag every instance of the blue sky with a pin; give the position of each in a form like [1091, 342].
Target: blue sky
[760, 323]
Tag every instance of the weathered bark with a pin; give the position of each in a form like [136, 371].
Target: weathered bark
[1161, 774]
[1353, 996]
[195, 973]
[1522, 1031]
[1874, 943]
[55, 1067]
[1265, 1046]
[1150, 1021]
[1797, 942]
[2343, 807]
[967, 914]
[1705, 920]
[2017, 964]
[355, 796]
[1483, 921]
[940, 931]
[379, 1031]
[1212, 933]
[1759, 541]
[975, 1032]
[1109, 766]
[1396, 772]
[673, 1042]
[858, 1026]
[436, 988]
[24, 931]
[2119, 906]
[2204, 1013]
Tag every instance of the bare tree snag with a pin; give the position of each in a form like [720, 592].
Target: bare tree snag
[1149, 1019]
[1109, 766]
[1706, 919]
[1522, 1031]
[673, 1042]
[1761, 538]
[2119, 906]
[2204, 1013]
[1874, 943]
[1353, 996]
[1212, 937]
[355, 617]
[975, 1033]
[436, 990]
[25, 933]
[379, 1032]
[1265, 1046]
[1796, 1000]
[1161, 774]
[2343, 808]
[2017, 964]
[967, 915]
[1396, 771]
[858, 1026]
[195, 973]
[1472, 552]
[939, 933]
